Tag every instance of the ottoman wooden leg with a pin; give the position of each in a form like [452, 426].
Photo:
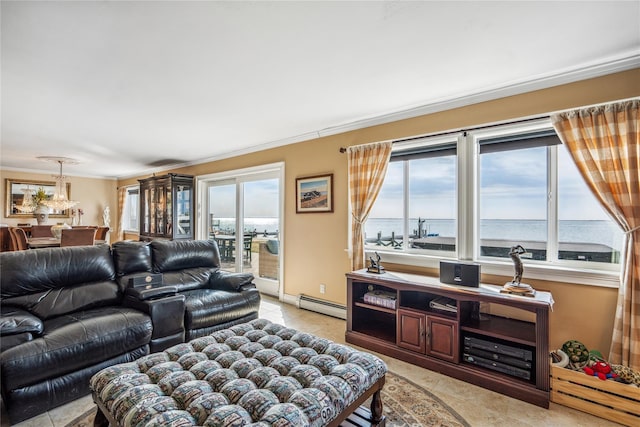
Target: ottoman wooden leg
[376, 410]
[100, 420]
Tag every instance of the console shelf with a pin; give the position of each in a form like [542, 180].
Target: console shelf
[441, 327]
[375, 307]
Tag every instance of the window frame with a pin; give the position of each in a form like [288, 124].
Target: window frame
[468, 218]
[126, 210]
[432, 144]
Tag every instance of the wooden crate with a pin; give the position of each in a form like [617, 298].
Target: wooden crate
[605, 399]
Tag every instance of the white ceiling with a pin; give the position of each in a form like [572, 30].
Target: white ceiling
[126, 86]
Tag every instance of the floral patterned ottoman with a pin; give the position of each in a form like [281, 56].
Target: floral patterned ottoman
[257, 373]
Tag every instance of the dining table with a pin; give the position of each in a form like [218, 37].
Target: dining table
[43, 242]
[226, 246]
[50, 242]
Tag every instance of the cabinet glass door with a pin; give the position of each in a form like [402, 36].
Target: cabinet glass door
[145, 215]
[183, 210]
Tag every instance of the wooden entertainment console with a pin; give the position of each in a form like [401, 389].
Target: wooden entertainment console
[450, 339]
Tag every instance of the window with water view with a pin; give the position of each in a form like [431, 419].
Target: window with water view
[525, 189]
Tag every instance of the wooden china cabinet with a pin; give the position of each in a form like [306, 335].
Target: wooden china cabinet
[166, 207]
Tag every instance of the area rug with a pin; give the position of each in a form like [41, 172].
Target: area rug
[405, 404]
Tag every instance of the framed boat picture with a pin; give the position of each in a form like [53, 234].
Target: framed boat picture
[314, 194]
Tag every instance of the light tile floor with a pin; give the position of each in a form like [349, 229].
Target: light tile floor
[480, 407]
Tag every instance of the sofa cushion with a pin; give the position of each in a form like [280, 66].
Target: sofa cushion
[52, 282]
[41, 270]
[16, 321]
[60, 301]
[189, 278]
[171, 255]
[131, 257]
[73, 342]
[206, 307]
[272, 246]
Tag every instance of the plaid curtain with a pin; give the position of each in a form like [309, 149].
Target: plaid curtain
[367, 166]
[605, 145]
[122, 194]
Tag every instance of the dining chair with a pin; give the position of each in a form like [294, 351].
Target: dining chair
[101, 233]
[18, 239]
[247, 240]
[77, 237]
[41, 231]
[12, 238]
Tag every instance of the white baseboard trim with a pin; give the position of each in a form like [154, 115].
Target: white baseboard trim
[329, 308]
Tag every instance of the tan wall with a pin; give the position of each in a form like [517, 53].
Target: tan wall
[314, 244]
[93, 193]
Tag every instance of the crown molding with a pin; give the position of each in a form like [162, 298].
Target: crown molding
[51, 172]
[612, 65]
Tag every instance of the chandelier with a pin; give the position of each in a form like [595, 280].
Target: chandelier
[27, 205]
[59, 201]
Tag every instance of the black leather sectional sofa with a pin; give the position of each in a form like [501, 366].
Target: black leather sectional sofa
[68, 312]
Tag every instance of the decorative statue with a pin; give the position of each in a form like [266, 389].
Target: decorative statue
[106, 216]
[374, 265]
[516, 286]
[515, 253]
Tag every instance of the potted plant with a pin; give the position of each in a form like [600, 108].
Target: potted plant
[42, 211]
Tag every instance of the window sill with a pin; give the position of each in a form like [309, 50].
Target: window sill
[551, 273]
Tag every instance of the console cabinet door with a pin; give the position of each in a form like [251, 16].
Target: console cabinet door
[411, 330]
[442, 339]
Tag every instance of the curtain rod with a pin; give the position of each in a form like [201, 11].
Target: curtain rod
[464, 130]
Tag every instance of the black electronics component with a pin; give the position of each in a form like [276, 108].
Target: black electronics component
[495, 347]
[513, 361]
[454, 273]
[497, 366]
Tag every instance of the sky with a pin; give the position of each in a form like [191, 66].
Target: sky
[260, 199]
[513, 186]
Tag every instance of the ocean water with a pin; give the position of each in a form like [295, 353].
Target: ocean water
[602, 232]
[257, 225]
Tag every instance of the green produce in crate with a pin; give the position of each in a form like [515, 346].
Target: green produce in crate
[577, 352]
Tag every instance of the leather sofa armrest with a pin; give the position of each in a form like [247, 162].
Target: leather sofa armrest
[166, 313]
[230, 281]
[152, 293]
[13, 340]
[247, 287]
[15, 321]
[4, 414]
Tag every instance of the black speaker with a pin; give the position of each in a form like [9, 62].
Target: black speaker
[455, 273]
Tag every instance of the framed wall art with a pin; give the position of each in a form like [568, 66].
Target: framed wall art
[314, 194]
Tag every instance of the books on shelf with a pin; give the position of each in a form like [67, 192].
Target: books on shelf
[381, 298]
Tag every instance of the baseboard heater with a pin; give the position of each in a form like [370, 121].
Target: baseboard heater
[321, 306]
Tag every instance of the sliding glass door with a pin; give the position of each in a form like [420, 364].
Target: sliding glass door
[242, 213]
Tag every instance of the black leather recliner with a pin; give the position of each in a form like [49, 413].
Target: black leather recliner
[214, 299]
[61, 321]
